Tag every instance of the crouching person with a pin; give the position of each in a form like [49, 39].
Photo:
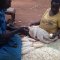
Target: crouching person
[10, 44]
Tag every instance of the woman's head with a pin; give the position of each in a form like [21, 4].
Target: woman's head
[55, 6]
[5, 4]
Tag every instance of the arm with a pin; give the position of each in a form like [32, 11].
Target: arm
[56, 34]
[6, 37]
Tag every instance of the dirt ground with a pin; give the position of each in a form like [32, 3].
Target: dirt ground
[28, 11]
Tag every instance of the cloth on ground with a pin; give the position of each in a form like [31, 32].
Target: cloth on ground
[36, 50]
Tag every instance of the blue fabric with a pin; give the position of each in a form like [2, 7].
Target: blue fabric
[12, 50]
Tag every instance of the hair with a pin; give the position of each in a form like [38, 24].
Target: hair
[5, 4]
[56, 1]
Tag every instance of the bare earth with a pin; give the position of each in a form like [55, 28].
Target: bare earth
[28, 11]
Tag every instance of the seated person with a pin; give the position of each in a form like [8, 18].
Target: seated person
[10, 44]
[50, 23]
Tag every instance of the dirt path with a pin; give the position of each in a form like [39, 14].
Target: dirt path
[28, 11]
